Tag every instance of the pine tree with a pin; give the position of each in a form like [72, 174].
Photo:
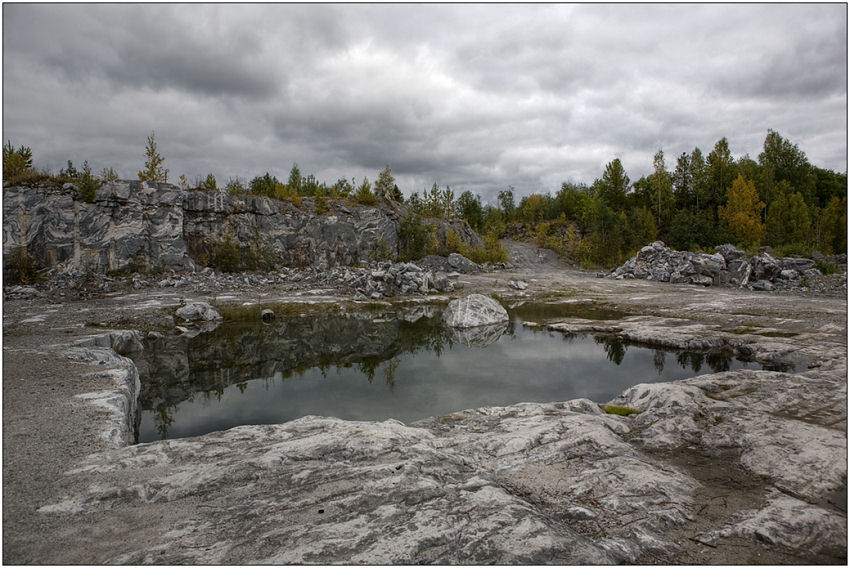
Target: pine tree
[384, 184]
[364, 193]
[294, 183]
[153, 172]
[16, 162]
[209, 183]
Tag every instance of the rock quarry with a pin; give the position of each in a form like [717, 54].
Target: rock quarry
[135, 226]
[735, 467]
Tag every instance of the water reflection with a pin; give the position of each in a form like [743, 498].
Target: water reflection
[480, 336]
[413, 368]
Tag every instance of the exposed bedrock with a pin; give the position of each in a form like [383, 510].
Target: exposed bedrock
[134, 225]
[528, 483]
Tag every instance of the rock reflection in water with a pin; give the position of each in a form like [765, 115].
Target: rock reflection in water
[412, 366]
[480, 336]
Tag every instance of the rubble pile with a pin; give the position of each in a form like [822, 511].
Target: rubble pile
[372, 281]
[729, 266]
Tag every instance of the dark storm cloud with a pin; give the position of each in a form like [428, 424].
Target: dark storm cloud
[474, 96]
[131, 47]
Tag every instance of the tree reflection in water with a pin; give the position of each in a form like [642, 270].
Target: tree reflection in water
[178, 371]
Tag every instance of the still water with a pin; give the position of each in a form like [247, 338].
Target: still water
[400, 365]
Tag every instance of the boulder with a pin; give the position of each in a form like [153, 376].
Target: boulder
[462, 264]
[798, 264]
[762, 286]
[473, 311]
[765, 267]
[709, 264]
[660, 275]
[198, 311]
[739, 272]
[730, 252]
[126, 342]
[440, 281]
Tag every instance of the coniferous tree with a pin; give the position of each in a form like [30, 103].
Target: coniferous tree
[721, 172]
[384, 184]
[614, 185]
[294, 184]
[209, 183]
[153, 172]
[364, 193]
[16, 162]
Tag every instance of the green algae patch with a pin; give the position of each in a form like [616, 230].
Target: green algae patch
[620, 410]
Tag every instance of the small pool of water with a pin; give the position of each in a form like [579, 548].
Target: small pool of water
[400, 365]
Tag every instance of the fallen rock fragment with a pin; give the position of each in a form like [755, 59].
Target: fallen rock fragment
[198, 311]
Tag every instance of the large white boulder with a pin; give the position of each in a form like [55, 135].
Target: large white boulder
[474, 310]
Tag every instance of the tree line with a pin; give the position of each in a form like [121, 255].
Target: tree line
[779, 199]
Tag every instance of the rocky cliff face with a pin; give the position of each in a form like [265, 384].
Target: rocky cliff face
[129, 222]
[133, 226]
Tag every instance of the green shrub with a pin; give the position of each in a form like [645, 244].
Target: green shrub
[492, 251]
[16, 163]
[416, 239]
[22, 266]
[225, 255]
[827, 267]
[284, 193]
[321, 204]
[382, 251]
[797, 250]
[541, 233]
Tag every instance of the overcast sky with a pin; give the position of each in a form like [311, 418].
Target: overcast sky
[477, 97]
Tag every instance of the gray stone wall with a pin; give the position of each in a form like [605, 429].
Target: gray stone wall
[134, 226]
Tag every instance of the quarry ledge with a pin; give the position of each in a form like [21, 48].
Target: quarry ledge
[559, 482]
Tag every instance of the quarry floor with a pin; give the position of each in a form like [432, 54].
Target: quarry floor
[47, 430]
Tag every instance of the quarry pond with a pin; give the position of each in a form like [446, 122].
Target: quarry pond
[400, 364]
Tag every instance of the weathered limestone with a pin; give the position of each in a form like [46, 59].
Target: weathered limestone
[474, 310]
